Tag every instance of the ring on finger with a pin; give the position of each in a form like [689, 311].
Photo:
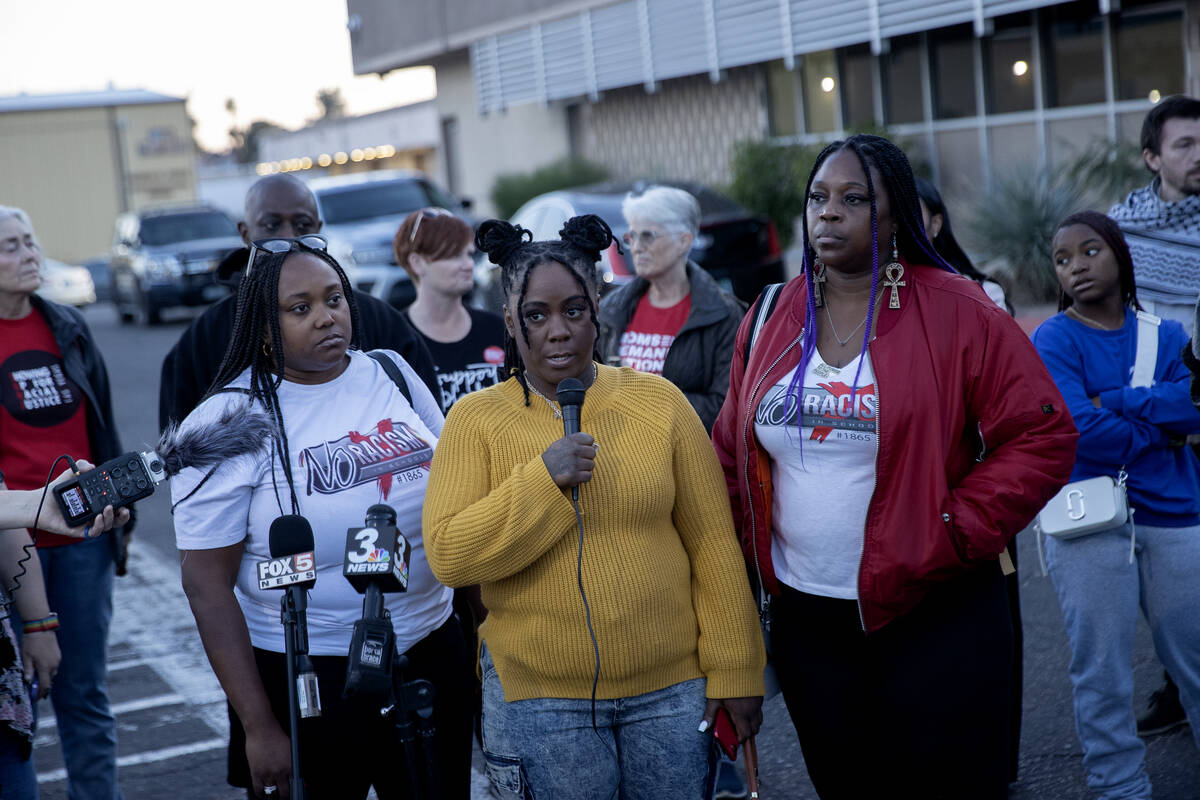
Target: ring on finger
[272, 789]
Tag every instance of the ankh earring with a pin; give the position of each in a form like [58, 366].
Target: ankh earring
[893, 276]
[818, 282]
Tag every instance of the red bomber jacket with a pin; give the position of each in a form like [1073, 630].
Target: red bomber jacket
[974, 437]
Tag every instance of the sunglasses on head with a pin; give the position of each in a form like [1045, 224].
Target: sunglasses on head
[312, 241]
[427, 213]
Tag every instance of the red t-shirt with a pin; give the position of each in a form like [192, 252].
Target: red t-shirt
[43, 413]
[648, 336]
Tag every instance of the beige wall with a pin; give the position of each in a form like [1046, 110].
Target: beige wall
[516, 140]
[685, 130]
[159, 156]
[62, 167]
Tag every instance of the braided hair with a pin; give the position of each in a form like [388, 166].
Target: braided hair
[257, 341]
[581, 243]
[1108, 230]
[912, 242]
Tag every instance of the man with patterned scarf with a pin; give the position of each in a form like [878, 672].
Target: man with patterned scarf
[1161, 223]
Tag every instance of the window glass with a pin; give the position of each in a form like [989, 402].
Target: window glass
[369, 200]
[1074, 56]
[819, 78]
[952, 65]
[858, 90]
[1008, 58]
[903, 99]
[781, 99]
[186, 227]
[1149, 55]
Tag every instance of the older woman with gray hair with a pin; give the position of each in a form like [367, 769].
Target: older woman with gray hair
[57, 400]
[672, 319]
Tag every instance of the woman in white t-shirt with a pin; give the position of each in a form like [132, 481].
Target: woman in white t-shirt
[347, 438]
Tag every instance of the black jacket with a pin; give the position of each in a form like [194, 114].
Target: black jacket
[191, 365]
[84, 365]
[698, 361]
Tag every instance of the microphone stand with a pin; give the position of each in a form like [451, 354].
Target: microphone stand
[295, 650]
[410, 706]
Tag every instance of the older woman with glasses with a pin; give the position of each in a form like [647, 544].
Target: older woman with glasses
[352, 430]
[673, 319]
[57, 400]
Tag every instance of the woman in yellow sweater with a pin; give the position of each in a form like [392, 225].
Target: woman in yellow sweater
[608, 651]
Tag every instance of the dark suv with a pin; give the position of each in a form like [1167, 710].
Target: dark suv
[166, 257]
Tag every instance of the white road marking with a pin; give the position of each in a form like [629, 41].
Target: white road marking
[131, 706]
[147, 757]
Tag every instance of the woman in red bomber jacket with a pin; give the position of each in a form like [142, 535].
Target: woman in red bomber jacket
[929, 434]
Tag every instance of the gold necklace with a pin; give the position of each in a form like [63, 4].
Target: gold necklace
[549, 402]
[1071, 310]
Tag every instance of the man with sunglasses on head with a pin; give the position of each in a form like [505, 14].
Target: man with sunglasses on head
[278, 206]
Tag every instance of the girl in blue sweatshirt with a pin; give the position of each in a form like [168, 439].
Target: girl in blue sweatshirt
[1102, 578]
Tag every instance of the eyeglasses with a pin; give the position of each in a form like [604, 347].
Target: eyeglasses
[312, 242]
[645, 238]
[427, 213]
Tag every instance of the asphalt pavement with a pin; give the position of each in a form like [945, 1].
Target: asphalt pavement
[171, 712]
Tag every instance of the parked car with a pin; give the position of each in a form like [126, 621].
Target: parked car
[166, 257]
[63, 283]
[739, 248]
[361, 213]
[98, 268]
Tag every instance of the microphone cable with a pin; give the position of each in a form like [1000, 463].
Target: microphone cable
[587, 610]
[37, 515]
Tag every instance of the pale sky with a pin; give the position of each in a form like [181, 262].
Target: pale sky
[271, 56]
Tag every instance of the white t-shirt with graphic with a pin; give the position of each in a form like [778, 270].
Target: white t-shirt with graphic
[823, 475]
[354, 442]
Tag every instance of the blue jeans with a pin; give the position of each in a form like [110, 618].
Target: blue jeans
[18, 780]
[1100, 592]
[648, 746]
[79, 585]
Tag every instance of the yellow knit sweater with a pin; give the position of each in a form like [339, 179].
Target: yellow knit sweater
[661, 567]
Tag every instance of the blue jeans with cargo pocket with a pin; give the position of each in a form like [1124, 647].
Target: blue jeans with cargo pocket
[648, 746]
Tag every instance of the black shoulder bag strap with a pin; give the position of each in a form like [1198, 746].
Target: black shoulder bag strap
[766, 305]
[393, 372]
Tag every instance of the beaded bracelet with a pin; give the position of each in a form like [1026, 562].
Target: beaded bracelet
[38, 625]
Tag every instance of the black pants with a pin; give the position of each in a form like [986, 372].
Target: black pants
[917, 709]
[350, 748]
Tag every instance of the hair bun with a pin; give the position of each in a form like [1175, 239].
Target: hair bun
[500, 239]
[589, 233]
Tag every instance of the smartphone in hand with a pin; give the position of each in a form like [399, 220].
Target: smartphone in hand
[725, 734]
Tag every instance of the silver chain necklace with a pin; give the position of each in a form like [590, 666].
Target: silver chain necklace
[553, 407]
[842, 342]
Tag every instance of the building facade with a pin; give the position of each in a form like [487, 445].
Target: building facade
[405, 137]
[663, 88]
[76, 161]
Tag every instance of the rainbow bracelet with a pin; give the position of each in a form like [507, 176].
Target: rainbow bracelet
[38, 625]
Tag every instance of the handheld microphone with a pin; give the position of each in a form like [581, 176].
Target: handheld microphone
[292, 567]
[570, 398]
[376, 562]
